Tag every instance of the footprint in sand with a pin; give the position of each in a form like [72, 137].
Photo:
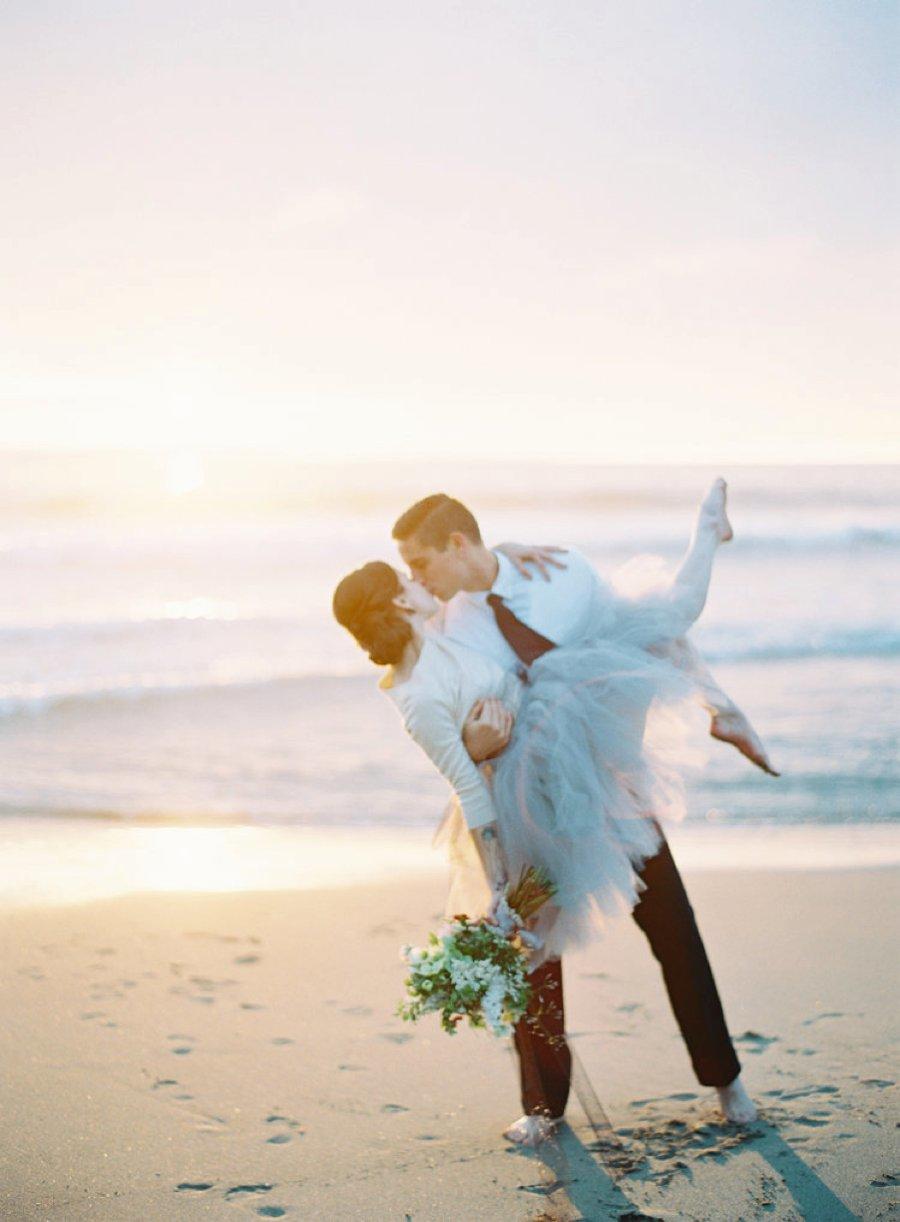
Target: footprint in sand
[755, 1043]
[393, 1107]
[290, 1128]
[187, 1186]
[807, 1091]
[184, 1044]
[207, 984]
[243, 1190]
[180, 990]
[818, 1018]
[396, 1037]
[282, 1039]
[271, 1211]
[161, 1082]
[251, 1005]
[248, 959]
[352, 1068]
[361, 1011]
[881, 1083]
[887, 1180]
[104, 993]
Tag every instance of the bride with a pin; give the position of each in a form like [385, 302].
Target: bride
[581, 785]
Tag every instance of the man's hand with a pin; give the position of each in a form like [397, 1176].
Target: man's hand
[523, 554]
[487, 729]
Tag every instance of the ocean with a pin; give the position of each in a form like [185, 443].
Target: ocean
[167, 651]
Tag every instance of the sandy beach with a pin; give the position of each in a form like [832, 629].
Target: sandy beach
[175, 1055]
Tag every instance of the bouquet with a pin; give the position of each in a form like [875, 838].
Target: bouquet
[478, 969]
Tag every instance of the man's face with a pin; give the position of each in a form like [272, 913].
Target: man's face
[441, 573]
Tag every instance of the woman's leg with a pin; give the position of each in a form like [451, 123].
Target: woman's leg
[727, 723]
[687, 594]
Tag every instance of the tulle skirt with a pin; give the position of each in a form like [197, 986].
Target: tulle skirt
[595, 765]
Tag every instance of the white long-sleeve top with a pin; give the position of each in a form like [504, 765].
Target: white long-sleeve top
[434, 702]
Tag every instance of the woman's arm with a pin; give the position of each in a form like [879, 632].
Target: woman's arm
[490, 850]
[431, 724]
[523, 554]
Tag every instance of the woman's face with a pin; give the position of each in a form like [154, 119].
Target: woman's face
[414, 597]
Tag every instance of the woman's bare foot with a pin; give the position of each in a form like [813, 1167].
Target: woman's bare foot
[714, 507]
[736, 1104]
[532, 1130]
[736, 729]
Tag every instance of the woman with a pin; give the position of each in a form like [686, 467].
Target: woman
[583, 779]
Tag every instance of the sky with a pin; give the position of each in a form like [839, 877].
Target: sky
[605, 231]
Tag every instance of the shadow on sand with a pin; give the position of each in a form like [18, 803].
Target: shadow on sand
[594, 1179]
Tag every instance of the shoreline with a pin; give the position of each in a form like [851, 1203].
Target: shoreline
[51, 860]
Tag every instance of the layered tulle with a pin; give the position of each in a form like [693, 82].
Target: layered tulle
[596, 761]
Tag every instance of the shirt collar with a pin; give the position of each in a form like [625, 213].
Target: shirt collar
[505, 583]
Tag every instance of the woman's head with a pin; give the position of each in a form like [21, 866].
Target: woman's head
[377, 604]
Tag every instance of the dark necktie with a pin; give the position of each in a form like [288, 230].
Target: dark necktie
[524, 641]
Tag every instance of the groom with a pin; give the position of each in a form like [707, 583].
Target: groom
[492, 606]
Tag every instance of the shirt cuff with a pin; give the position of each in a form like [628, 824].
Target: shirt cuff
[478, 812]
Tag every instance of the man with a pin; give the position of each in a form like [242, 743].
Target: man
[491, 605]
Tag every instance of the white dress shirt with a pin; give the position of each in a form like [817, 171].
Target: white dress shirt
[561, 609]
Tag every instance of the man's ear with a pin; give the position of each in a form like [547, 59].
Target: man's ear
[457, 541]
[400, 602]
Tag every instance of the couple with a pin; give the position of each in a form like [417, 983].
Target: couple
[563, 685]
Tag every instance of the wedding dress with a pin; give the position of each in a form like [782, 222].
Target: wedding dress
[595, 758]
[575, 788]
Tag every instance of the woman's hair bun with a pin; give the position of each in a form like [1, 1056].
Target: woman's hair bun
[364, 604]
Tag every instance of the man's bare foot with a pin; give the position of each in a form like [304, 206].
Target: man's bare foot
[714, 507]
[736, 1104]
[532, 1130]
[736, 729]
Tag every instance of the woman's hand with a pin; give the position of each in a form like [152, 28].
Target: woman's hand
[487, 729]
[523, 554]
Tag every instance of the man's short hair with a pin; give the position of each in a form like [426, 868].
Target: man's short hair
[434, 519]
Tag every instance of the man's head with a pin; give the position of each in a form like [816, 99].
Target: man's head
[441, 544]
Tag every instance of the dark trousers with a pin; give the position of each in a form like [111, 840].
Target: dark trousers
[667, 919]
